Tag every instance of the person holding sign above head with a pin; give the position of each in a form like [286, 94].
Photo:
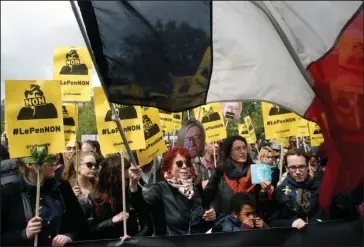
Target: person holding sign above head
[234, 176]
[192, 137]
[61, 219]
[104, 207]
[296, 197]
[184, 209]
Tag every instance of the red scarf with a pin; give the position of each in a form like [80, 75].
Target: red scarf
[243, 184]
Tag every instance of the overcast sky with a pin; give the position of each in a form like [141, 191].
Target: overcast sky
[29, 32]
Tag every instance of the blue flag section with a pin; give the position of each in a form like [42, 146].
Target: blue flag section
[152, 53]
[334, 233]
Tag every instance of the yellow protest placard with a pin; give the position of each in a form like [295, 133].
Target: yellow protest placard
[302, 127]
[244, 132]
[213, 121]
[109, 136]
[155, 144]
[177, 120]
[33, 115]
[315, 134]
[166, 121]
[285, 141]
[73, 67]
[70, 122]
[278, 122]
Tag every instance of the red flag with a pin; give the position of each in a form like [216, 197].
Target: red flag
[338, 109]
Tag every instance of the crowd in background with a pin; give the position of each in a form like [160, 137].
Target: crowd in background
[195, 187]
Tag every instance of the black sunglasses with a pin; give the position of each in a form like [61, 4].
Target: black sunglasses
[180, 163]
[90, 165]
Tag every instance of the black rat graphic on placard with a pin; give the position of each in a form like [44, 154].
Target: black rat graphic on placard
[176, 116]
[150, 129]
[36, 106]
[276, 110]
[244, 132]
[73, 65]
[317, 130]
[68, 121]
[163, 111]
[124, 112]
[249, 124]
[210, 115]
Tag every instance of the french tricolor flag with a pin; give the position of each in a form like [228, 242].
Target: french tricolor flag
[177, 55]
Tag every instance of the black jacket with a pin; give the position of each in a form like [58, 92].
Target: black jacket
[100, 219]
[8, 172]
[61, 212]
[290, 206]
[218, 194]
[179, 215]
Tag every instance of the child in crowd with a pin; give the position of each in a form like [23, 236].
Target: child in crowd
[243, 215]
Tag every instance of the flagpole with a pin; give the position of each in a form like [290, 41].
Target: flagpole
[281, 161]
[123, 187]
[117, 120]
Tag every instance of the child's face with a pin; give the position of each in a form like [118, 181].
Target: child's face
[247, 212]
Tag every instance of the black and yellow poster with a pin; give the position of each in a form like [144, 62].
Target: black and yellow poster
[155, 144]
[278, 122]
[33, 116]
[212, 120]
[302, 127]
[315, 134]
[70, 122]
[131, 121]
[177, 120]
[73, 67]
[166, 121]
[244, 132]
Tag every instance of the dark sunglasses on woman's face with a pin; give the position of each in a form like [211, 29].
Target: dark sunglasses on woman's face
[180, 163]
[90, 165]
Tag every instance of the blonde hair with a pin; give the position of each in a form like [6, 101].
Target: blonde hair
[264, 152]
[69, 172]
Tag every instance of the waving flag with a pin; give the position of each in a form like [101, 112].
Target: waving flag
[177, 55]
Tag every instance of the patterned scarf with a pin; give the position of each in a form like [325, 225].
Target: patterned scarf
[185, 187]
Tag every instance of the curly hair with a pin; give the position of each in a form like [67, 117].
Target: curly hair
[297, 152]
[171, 155]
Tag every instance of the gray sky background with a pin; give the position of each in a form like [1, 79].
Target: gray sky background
[29, 33]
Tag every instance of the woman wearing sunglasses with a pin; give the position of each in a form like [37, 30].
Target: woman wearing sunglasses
[104, 207]
[83, 183]
[180, 202]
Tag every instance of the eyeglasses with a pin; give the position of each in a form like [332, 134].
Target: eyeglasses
[301, 168]
[239, 149]
[193, 139]
[180, 163]
[90, 165]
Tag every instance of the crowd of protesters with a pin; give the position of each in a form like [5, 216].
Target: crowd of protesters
[194, 188]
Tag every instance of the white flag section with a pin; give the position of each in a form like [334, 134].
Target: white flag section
[250, 60]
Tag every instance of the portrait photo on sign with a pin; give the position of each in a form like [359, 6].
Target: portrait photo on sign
[209, 115]
[36, 106]
[277, 110]
[124, 112]
[150, 128]
[232, 110]
[73, 64]
[67, 120]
